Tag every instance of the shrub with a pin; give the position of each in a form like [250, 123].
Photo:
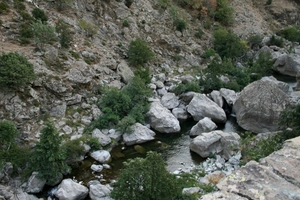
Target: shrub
[49, 157]
[290, 118]
[254, 40]
[15, 71]
[164, 4]
[291, 33]
[63, 4]
[187, 87]
[74, 149]
[89, 28]
[209, 53]
[26, 30]
[149, 174]
[180, 24]
[18, 5]
[269, 2]
[227, 44]
[276, 41]
[39, 14]
[224, 13]
[125, 23]
[65, 36]
[4, 8]
[43, 33]
[139, 52]
[199, 33]
[8, 133]
[261, 67]
[26, 16]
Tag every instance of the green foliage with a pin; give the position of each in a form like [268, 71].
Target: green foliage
[4, 8]
[164, 4]
[227, 44]
[43, 33]
[18, 5]
[26, 16]
[254, 40]
[15, 71]
[199, 33]
[224, 13]
[253, 149]
[75, 55]
[147, 179]
[144, 74]
[124, 107]
[125, 23]
[178, 21]
[290, 118]
[209, 53]
[276, 41]
[261, 67]
[139, 52]
[74, 149]
[49, 157]
[291, 33]
[63, 4]
[39, 14]
[187, 87]
[269, 2]
[26, 30]
[93, 143]
[90, 29]
[8, 133]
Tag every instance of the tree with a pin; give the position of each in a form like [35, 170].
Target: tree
[8, 133]
[224, 13]
[147, 179]
[49, 158]
[15, 71]
[39, 14]
[65, 37]
[139, 52]
[290, 118]
[43, 34]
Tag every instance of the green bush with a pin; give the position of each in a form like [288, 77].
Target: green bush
[63, 4]
[291, 33]
[187, 87]
[74, 149]
[254, 40]
[15, 71]
[90, 29]
[18, 5]
[8, 133]
[209, 53]
[269, 2]
[43, 34]
[65, 36]
[149, 174]
[139, 52]
[276, 41]
[125, 23]
[39, 14]
[25, 30]
[290, 118]
[26, 16]
[4, 8]
[224, 13]
[180, 24]
[178, 20]
[199, 33]
[261, 67]
[49, 158]
[227, 44]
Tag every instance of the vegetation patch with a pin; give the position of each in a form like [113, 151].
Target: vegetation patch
[139, 52]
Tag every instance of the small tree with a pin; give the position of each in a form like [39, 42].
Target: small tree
[43, 34]
[224, 13]
[65, 37]
[147, 179]
[15, 71]
[8, 133]
[39, 14]
[49, 158]
[139, 52]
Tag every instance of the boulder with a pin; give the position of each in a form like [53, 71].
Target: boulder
[217, 98]
[180, 113]
[222, 195]
[125, 72]
[161, 119]
[230, 96]
[139, 135]
[102, 156]
[70, 190]
[201, 106]
[169, 100]
[34, 184]
[282, 85]
[288, 64]
[259, 106]
[96, 168]
[204, 125]
[216, 142]
[102, 138]
[99, 191]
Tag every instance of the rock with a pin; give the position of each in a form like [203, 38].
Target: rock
[161, 119]
[80, 73]
[102, 156]
[254, 181]
[139, 135]
[140, 149]
[116, 135]
[169, 100]
[180, 113]
[99, 191]
[70, 190]
[191, 190]
[34, 184]
[282, 85]
[230, 96]
[5, 172]
[222, 195]
[76, 99]
[96, 168]
[96, 112]
[215, 177]
[201, 106]
[297, 86]
[217, 98]
[259, 106]
[125, 72]
[216, 142]
[102, 138]
[288, 64]
[59, 109]
[204, 125]
[159, 84]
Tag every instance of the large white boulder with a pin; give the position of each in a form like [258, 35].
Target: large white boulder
[102, 156]
[201, 106]
[139, 135]
[288, 64]
[99, 191]
[169, 100]
[102, 138]
[203, 126]
[216, 142]
[70, 190]
[161, 119]
[35, 184]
